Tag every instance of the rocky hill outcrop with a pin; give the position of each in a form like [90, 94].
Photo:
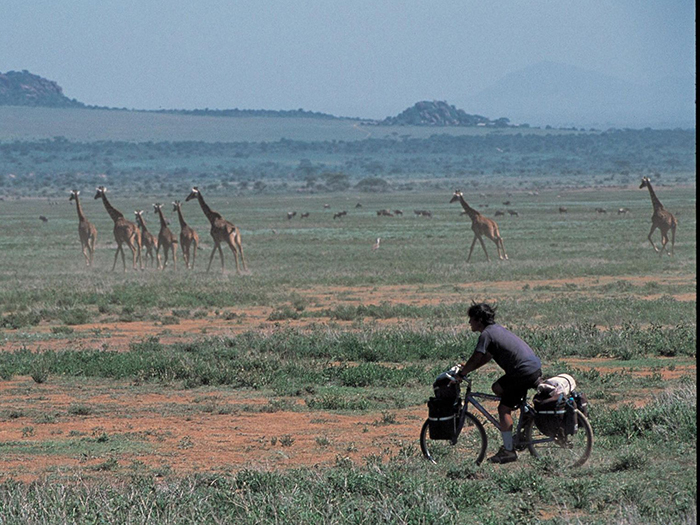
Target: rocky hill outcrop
[22, 88]
[438, 113]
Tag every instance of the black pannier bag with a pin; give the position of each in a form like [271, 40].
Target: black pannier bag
[570, 417]
[549, 413]
[443, 415]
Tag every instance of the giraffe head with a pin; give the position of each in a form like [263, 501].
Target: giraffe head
[176, 205]
[456, 196]
[139, 216]
[645, 182]
[156, 207]
[193, 194]
[74, 195]
[101, 190]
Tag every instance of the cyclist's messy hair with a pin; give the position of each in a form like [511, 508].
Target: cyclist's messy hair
[482, 312]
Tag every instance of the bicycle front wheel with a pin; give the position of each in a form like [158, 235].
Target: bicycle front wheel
[469, 446]
[565, 452]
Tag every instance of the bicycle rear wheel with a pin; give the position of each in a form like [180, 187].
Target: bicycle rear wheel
[565, 452]
[470, 444]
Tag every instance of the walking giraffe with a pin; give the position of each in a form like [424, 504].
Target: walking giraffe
[189, 239]
[481, 225]
[221, 231]
[124, 231]
[86, 230]
[149, 242]
[661, 219]
[166, 238]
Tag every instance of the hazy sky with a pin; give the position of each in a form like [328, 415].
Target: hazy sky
[365, 58]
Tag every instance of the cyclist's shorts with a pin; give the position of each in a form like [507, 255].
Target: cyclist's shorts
[515, 388]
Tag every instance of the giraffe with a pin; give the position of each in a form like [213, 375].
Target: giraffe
[166, 238]
[86, 230]
[481, 225]
[148, 240]
[661, 219]
[124, 231]
[221, 231]
[189, 240]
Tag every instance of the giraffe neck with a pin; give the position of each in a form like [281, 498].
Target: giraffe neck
[81, 216]
[113, 212]
[181, 218]
[655, 202]
[470, 211]
[163, 224]
[206, 209]
[142, 223]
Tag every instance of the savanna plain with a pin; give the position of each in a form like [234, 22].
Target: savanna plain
[294, 391]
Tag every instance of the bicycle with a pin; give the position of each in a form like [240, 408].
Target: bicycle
[470, 440]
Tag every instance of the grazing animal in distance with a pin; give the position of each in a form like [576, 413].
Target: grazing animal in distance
[661, 219]
[384, 213]
[601, 210]
[304, 215]
[43, 219]
[376, 244]
[498, 213]
[340, 214]
[481, 226]
[506, 203]
[512, 213]
[358, 205]
[562, 209]
[623, 211]
[398, 212]
[291, 214]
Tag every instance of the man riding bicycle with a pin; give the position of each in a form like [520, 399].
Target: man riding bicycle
[523, 370]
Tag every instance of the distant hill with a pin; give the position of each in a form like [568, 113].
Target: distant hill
[438, 113]
[561, 95]
[21, 88]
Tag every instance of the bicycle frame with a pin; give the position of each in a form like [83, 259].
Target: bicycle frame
[525, 412]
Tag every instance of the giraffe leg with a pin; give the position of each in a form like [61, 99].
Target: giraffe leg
[211, 257]
[235, 255]
[221, 254]
[471, 249]
[240, 251]
[116, 254]
[174, 246]
[91, 248]
[194, 254]
[653, 227]
[503, 247]
[673, 238]
[664, 242]
[86, 255]
[133, 256]
[481, 241]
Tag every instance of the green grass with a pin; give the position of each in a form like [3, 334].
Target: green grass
[582, 286]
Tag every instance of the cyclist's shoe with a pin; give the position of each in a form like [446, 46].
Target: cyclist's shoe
[504, 456]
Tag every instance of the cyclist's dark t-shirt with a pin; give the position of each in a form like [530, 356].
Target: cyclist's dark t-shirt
[510, 352]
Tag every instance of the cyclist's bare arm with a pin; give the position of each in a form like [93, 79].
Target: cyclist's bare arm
[477, 360]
